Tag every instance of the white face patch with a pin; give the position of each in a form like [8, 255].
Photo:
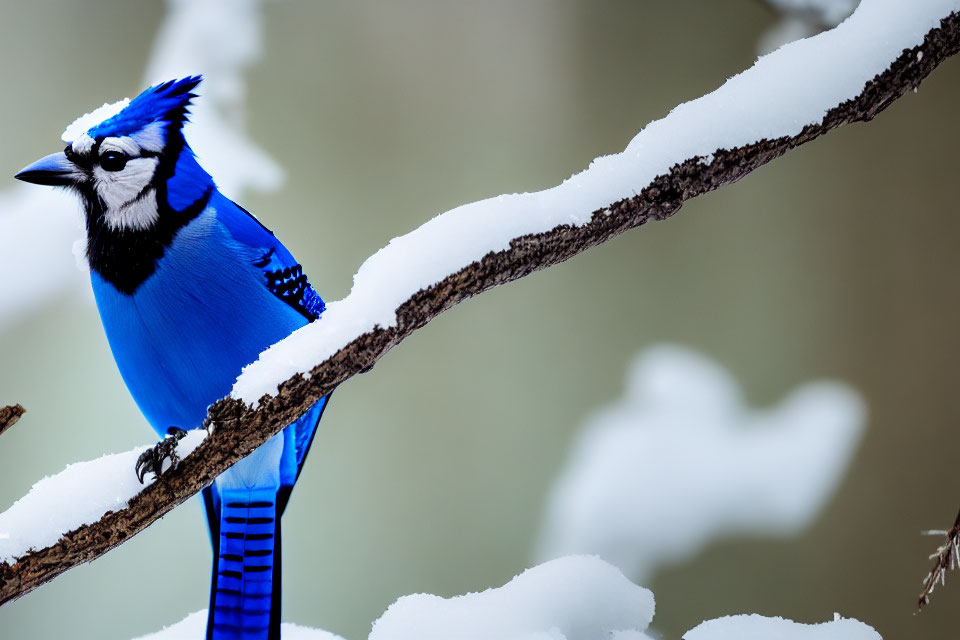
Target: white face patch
[129, 200]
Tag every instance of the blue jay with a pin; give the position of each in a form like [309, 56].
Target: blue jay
[190, 288]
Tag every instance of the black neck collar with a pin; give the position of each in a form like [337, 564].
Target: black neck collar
[127, 258]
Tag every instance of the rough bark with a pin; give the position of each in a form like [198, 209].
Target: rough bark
[239, 429]
[9, 416]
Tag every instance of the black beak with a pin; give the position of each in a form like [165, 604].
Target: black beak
[53, 170]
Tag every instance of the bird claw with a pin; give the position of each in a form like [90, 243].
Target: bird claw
[152, 459]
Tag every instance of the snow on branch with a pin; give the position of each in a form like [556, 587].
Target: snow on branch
[757, 627]
[83, 492]
[570, 598]
[788, 98]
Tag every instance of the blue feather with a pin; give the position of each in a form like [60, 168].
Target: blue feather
[166, 102]
[182, 337]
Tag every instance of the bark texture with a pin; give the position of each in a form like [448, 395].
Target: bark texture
[9, 416]
[238, 429]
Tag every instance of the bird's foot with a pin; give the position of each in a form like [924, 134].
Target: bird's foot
[152, 459]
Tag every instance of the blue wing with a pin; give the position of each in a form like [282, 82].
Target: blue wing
[283, 276]
[285, 279]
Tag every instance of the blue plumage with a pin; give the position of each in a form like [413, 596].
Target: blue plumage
[190, 288]
[166, 102]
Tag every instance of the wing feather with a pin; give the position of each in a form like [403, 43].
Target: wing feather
[283, 275]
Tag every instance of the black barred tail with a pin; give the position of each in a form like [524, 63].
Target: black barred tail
[245, 597]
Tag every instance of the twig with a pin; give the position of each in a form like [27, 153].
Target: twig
[239, 429]
[947, 558]
[9, 416]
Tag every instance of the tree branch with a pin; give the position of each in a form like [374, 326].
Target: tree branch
[238, 429]
[9, 416]
[945, 558]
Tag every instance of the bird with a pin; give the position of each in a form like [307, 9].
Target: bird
[190, 288]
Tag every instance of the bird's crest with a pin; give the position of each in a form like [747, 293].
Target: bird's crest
[166, 104]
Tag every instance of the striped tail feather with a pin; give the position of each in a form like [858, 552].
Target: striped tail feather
[245, 596]
[245, 535]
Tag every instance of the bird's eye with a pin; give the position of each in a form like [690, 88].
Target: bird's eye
[113, 161]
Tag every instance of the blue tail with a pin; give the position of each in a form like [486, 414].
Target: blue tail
[243, 510]
[245, 602]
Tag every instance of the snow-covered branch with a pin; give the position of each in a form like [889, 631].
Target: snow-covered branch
[786, 99]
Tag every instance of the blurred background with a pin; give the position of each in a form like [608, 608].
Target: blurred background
[431, 472]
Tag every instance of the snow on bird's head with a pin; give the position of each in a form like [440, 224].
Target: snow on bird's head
[89, 120]
[165, 104]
